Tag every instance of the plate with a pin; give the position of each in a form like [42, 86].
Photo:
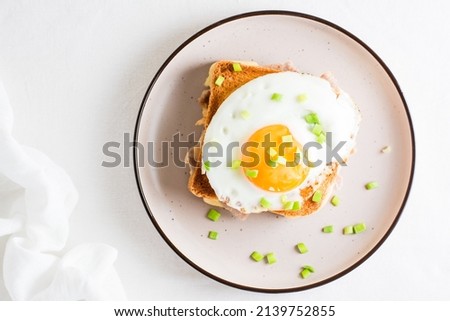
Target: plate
[166, 120]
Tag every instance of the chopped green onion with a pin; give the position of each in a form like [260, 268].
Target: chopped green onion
[256, 256]
[317, 196]
[281, 160]
[272, 152]
[219, 81]
[309, 268]
[276, 96]
[264, 202]
[296, 206]
[272, 163]
[327, 229]
[305, 273]
[213, 215]
[348, 230]
[359, 228]
[284, 199]
[288, 205]
[312, 118]
[321, 138]
[237, 67]
[245, 114]
[235, 164]
[317, 129]
[213, 235]
[302, 98]
[371, 185]
[335, 200]
[252, 173]
[287, 139]
[302, 248]
[207, 165]
[271, 259]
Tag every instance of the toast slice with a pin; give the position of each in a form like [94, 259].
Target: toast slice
[210, 101]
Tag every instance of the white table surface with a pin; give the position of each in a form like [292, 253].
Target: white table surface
[76, 72]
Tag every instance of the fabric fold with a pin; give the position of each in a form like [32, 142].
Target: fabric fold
[40, 198]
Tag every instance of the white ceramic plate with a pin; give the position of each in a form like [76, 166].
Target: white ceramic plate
[315, 46]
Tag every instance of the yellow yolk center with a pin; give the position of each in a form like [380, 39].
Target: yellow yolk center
[271, 159]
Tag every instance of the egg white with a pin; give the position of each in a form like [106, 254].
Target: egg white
[337, 114]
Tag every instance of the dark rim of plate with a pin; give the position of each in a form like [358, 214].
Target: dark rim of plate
[303, 16]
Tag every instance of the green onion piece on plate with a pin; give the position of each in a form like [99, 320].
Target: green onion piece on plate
[213, 235]
[317, 196]
[237, 67]
[219, 81]
[309, 267]
[359, 228]
[302, 248]
[207, 165]
[271, 259]
[348, 230]
[235, 164]
[312, 118]
[256, 256]
[272, 163]
[213, 215]
[317, 129]
[305, 273]
[252, 173]
[321, 138]
[335, 200]
[288, 205]
[276, 96]
[371, 185]
[296, 206]
[264, 203]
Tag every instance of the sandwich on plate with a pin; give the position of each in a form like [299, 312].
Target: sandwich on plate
[273, 139]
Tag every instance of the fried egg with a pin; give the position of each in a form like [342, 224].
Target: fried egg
[272, 138]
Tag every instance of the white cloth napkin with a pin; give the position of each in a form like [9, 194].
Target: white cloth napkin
[36, 200]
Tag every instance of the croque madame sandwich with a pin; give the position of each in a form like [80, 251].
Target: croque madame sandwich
[273, 139]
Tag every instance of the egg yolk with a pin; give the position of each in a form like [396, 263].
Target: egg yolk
[270, 159]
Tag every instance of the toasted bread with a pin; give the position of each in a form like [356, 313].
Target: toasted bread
[210, 100]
